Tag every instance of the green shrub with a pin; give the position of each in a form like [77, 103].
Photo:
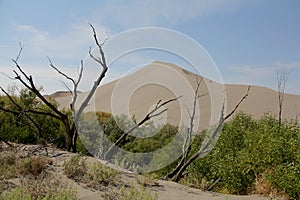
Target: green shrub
[247, 150]
[287, 178]
[22, 194]
[19, 128]
[41, 187]
[136, 194]
[100, 175]
[17, 194]
[75, 168]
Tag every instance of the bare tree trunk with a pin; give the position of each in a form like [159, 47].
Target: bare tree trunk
[177, 173]
[69, 124]
[188, 140]
[281, 83]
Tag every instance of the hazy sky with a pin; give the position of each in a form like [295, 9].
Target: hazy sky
[248, 40]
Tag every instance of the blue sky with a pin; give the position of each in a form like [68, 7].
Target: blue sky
[248, 40]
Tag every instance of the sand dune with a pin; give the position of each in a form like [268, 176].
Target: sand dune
[137, 93]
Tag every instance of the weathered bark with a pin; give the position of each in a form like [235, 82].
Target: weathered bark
[281, 83]
[177, 173]
[150, 115]
[68, 122]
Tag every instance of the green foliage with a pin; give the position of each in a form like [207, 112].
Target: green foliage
[17, 194]
[96, 176]
[137, 194]
[287, 178]
[248, 149]
[99, 174]
[47, 193]
[164, 135]
[75, 168]
[16, 126]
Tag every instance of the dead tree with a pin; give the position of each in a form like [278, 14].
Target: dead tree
[153, 113]
[281, 83]
[178, 171]
[69, 122]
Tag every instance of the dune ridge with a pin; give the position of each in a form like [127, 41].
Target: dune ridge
[142, 96]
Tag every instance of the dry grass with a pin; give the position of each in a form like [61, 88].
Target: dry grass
[264, 187]
[147, 180]
[75, 168]
[33, 165]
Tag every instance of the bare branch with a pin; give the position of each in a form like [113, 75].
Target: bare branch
[7, 76]
[176, 174]
[159, 113]
[239, 103]
[60, 72]
[69, 89]
[148, 116]
[31, 86]
[102, 62]
[107, 38]
[21, 111]
[188, 139]
[20, 51]
[281, 84]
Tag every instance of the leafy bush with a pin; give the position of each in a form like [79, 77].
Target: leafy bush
[21, 128]
[287, 178]
[98, 174]
[75, 168]
[249, 150]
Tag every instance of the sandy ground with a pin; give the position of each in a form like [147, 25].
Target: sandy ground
[165, 190]
[137, 93]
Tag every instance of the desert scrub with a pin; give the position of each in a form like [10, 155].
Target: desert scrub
[7, 165]
[134, 193]
[42, 187]
[75, 168]
[147, 180]
[96, 175]
[21, 194]
[33, 165]
[100, 175]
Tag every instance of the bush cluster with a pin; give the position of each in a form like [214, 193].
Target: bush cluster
[99, 177]
[17, 127]
[249, 152]
[36, 181]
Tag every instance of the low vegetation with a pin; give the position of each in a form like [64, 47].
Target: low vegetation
[251, 155]
[96, 174]
[36, 180]
[100, 177]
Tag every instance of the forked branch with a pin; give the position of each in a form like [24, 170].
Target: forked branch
[177, 173]
[153, 113]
